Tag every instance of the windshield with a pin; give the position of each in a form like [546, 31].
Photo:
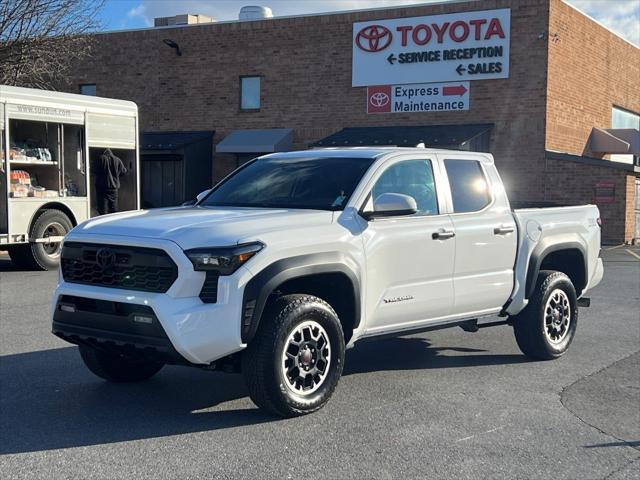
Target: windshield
[303, 182]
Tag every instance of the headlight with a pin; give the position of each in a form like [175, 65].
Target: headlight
[224, 260]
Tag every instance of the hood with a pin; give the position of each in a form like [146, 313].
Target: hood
[192, 227]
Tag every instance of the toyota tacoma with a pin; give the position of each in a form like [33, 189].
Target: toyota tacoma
[295, 257]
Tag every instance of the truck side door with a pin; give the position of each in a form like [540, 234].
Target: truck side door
[486, 237]
[409, 258]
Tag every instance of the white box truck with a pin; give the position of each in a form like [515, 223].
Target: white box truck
[49, 142]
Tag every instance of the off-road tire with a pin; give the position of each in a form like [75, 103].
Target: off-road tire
[529, 325]
[37, 256]
[116, 368]
[261, 360]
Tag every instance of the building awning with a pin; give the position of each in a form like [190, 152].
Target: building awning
[450, 136]
[615, 141]
[257, 141]
[172, 140]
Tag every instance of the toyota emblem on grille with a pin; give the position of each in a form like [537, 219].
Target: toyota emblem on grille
[105, 258]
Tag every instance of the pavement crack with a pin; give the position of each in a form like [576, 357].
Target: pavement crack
[623, 442]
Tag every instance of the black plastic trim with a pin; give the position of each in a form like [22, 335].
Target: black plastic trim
[541, 252]
[110, 326]
[265, 283]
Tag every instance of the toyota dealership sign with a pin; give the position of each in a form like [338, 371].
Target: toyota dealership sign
[437, 48]
[425, 97]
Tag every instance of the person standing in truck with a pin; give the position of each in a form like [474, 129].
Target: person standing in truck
[109, 169]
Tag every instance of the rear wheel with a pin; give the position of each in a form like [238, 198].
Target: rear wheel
[117, 368]
[546, 327]
[294, 363]
[42, 255]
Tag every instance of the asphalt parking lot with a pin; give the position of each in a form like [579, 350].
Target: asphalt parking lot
[445, 404]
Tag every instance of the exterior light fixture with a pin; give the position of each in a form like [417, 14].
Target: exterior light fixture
[172, 44]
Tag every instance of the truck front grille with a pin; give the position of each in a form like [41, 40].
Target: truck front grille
[116, 266]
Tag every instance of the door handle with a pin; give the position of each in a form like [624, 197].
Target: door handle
[502, 230]
[443, 234]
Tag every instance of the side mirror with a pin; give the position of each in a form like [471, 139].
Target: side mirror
[392, 205]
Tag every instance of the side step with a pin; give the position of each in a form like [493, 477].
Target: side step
[473, 326]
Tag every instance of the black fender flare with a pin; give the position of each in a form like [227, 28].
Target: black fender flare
[263, 284]
[542, 250]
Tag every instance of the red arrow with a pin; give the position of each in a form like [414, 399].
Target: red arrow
[459, 90]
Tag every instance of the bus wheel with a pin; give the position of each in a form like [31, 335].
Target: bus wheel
[38, 255]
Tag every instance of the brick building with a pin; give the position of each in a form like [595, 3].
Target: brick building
[562, 123]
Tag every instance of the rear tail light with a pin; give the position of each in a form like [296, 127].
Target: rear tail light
[599, 221]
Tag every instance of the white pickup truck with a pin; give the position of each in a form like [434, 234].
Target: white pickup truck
[295, 257]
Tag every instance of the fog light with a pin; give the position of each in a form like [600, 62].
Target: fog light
[65, 307]
[142, 319]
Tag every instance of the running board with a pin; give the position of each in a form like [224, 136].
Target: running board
[473, 325]
[52, 239]
[466, 325]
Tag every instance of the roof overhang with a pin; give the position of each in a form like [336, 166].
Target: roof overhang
[257, 141]
[172, 141]
[437, 136]
[615, 141]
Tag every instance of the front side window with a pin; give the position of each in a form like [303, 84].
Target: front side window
[413, 178]
[469, 187]
[250, 93]
[299, 182]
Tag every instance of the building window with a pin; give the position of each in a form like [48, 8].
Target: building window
[624, 119]
[621, 118]
[88, 89]
[249, 93]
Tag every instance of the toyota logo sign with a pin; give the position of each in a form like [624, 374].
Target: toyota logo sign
[105, 258]
[373, 38]
[379, 99]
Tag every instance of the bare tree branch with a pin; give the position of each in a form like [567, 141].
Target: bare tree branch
[41, 39]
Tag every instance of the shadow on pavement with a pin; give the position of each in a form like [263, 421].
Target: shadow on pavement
[635, 444]
[48, 400]
[415, 353]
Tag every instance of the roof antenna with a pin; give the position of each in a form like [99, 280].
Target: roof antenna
[421, 145]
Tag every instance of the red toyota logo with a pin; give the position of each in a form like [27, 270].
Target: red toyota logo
[379, 99]
[373, 38]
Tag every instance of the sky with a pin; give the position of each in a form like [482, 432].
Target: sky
[621, 16]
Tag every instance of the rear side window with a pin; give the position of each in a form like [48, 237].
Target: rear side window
[469, 187]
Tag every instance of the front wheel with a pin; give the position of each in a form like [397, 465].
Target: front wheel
[546, 327]
[293, 364]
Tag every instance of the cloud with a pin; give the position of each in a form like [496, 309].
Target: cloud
[621, 16]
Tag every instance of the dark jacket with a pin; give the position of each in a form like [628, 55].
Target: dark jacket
[109, 170]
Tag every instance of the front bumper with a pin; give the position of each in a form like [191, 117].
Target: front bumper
[197, 332]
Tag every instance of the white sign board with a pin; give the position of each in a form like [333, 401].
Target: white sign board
[44, 114]
[438, 48]
[420, 97]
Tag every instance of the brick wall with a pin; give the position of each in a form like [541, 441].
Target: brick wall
[574, 183]
[590, 70]
[306, 64]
